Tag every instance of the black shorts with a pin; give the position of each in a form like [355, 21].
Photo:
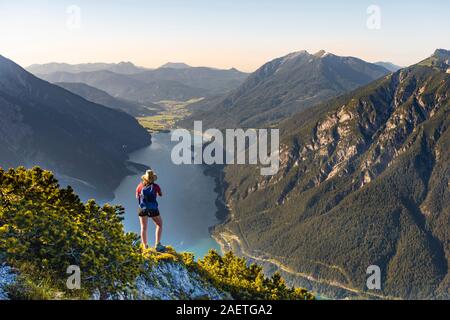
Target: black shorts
[152, 213]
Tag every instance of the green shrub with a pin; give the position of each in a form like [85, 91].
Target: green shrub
[50, 228]
[233, 274]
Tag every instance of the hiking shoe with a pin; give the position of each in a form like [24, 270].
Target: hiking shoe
[160, 248]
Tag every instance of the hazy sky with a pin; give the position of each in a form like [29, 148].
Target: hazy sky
[219, 33]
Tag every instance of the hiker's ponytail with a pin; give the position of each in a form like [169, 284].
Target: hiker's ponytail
[149, 178]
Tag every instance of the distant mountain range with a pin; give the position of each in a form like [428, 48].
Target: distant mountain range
[121, 68]
[175, 65]
[125, 81]
[101, 97]
[84, 143]
[288, 85]
[364, 180]
[388, 65]
[212, 81]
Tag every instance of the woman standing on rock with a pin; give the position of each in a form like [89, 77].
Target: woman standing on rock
[146, 193]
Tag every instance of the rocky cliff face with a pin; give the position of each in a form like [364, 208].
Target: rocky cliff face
[164, 281]
[172, 281]
[374, 129]
[364, 180]
[7, 278]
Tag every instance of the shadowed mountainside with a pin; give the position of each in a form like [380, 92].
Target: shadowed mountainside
[84, 143]
[101, 97]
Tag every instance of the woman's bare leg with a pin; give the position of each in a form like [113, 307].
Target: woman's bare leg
[144, 229]
[158, 232]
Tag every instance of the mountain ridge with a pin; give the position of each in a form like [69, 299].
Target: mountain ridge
[175, 65]
[287, 85]
[121, 67]
[389, 66]
[151, 86]
[126, 87]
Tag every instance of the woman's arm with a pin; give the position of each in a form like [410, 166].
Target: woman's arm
[158, 191]
[138, 190]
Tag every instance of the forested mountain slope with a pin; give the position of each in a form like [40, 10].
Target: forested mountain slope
[364, 180]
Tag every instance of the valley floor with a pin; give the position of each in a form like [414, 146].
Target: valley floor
[165, 120]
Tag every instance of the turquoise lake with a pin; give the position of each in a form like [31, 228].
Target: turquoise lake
[188, 204]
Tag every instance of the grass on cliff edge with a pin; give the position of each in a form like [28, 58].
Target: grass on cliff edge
[234, 275]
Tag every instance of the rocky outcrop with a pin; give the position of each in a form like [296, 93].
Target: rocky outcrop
[172, 281]
[7, 278]
[163, 281]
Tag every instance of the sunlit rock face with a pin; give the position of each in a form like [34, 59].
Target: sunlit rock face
[172, 281]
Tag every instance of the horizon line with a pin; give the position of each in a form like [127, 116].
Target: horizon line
[117, 62]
